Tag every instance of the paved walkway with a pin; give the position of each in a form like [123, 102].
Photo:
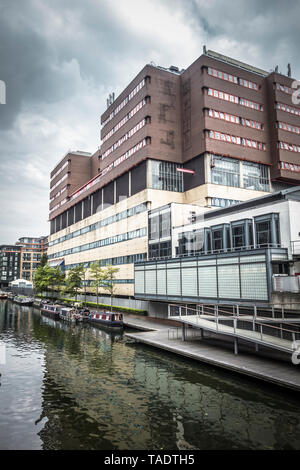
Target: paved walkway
[269, 370]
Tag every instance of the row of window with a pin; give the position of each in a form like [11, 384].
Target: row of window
[221, 202]
[89, 282]
[221, 95]
[58, 193]
[124, 157]
[290, 166]
[125, 101]
[235, 119]
[284, 88]
[288, 109]
[289, 147]
[141, 232]
[89, 185]
[125, 119]
[59, 181]
[237, 140]
[239, 234]
[231, 78]
[60, 169]
[125, 137]
[129, 259]
[227, 171]
[288, 127]
[103, 223]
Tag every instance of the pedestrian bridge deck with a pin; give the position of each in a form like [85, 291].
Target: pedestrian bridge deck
[212, 323]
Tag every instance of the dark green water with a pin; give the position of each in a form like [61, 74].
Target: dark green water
[78, 387]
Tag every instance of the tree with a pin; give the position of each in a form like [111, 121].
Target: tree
[98, 275]
[47, 277]
[44, 259]
[108, 284]
[74, 281]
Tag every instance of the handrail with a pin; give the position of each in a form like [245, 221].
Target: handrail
[236, 317]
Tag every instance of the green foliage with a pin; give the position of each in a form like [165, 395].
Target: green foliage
[117, 308]
[47, 277]
[73, 282]
[98, 275]
[108, 284]
[44, 259]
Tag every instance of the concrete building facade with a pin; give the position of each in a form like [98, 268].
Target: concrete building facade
[213, 135]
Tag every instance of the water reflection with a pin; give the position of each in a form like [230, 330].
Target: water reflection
[79, 387]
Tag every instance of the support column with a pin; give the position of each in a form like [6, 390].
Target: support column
[183, 332]
[236, 349]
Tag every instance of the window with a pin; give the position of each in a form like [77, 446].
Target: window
[220, 236]
[223, 96]
[221, 202]
[289, 147]
[160, 250]
[125, 101]
[225, 171]
[237, 140]
[166, 177]
[248, 84]
[288, 109]
[290, 166]
[251, 104]
[222, 75]
[124, 138]
[267, 230]
[255, 176]
[284, 88]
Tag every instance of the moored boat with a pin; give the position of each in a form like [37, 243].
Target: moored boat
[22, 300]
[108, 319]
[3, 295]
[51, 310]
[68, 314]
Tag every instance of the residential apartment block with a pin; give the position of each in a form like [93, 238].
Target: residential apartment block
[216, 134]
[10, 262]
[30, 255]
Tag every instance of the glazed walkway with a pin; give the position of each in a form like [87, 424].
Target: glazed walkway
[270, 370]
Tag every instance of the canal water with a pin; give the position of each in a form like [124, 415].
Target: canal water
[79, 387]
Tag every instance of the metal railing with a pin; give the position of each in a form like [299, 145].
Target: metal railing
[219, 315]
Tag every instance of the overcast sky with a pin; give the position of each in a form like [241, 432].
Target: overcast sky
[61, 58]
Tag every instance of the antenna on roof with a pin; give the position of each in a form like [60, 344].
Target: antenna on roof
[110, 99]
[289, 71]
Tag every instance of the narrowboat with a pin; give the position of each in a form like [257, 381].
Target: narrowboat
[108, 319]
[22, 300]
[69, 315]
[51, 310]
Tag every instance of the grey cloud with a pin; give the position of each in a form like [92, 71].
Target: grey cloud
[60, 59]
